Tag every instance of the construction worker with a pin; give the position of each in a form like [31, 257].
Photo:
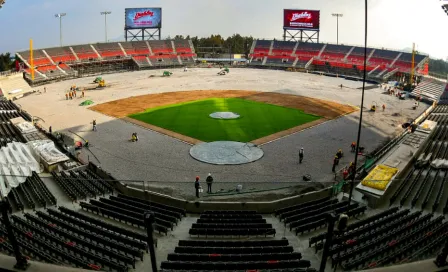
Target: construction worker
[82, 93]
[197, 186]
[134, 137]
[74, 93]
[353, 146]
[70, 95]
[339, 154]
[94, 125]
[351, 169]
[335, 162]
[66, 96]
[345, 173]
[384, 107]
[209, 181]
[301, 155]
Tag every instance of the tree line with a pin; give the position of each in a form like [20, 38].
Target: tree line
[438, 66]
[217, 44]
[6, 63]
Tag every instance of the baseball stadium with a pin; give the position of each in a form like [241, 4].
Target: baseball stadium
[148, 154]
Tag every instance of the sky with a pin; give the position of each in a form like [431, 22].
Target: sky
[394, 24]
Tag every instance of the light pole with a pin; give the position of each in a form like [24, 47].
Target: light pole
[60, 15]
[337, 15]
[105, 13]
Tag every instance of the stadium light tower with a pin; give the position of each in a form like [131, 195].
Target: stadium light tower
[337, 15]
[105, 13]
[60, 15]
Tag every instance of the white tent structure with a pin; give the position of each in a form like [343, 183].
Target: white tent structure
[16, 164]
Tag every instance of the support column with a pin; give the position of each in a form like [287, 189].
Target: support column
[331, 217]
[149, 221]
[22, 263]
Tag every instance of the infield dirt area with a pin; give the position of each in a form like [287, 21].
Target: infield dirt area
[122, 108]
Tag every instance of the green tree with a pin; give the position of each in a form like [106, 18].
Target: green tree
[438, 66]
[6, 63]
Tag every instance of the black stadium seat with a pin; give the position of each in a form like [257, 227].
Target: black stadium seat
[233, 250]
[103, 225]
[302, 205]
[272, 264]
[233, 257]
[238, 243]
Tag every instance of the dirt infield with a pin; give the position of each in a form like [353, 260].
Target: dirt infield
[124, 107]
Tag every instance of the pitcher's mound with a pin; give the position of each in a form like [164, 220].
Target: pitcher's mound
[226, 152]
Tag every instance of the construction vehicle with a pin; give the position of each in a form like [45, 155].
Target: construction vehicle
[166, 74]
[224, 71]
[101, 83]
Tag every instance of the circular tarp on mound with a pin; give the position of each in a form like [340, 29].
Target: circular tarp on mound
[226, 152]
[225, 115]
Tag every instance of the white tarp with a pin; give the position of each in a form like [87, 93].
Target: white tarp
[439, 164]
[23, 126]
[46, 150]
[16, 163]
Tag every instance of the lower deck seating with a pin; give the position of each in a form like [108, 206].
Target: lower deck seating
[226, 223]
[141, 61]
[131, 210]
[31, 194]
[68, 237]
[164, 60]
[387, 237]
[82, 184]
[312, 215]
[429, 88]
[247, 255]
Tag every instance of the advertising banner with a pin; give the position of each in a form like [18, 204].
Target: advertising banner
[301, 19]
[143, 18]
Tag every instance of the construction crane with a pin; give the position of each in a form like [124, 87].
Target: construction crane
[411, 81]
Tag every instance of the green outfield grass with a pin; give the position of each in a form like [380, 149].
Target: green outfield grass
[192, 119]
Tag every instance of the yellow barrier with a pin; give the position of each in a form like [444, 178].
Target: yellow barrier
[379, 177]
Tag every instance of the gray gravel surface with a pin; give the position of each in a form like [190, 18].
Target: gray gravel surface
[166, 161]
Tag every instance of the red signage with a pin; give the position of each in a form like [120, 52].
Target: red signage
[301, 19]
[139, 15]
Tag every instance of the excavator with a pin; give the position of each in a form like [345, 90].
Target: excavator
[101, 82]
[224, 71]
